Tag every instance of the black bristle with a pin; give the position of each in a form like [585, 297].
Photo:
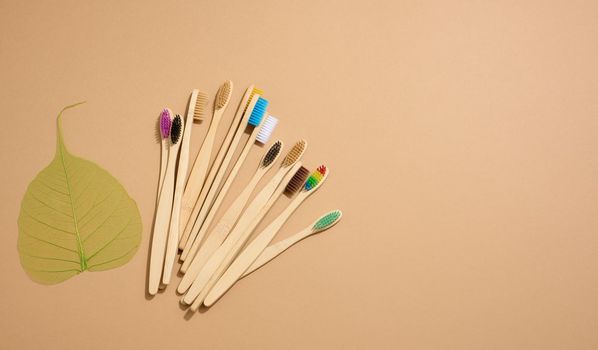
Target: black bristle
[296, 181]
[272, 154]
[175, 129]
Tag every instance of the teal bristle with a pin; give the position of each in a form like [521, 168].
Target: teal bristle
[327, 220]
[258, 112]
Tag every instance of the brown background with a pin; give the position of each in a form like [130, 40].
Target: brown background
[461, 138]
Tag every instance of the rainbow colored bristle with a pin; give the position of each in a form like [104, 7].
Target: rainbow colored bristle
[315, 178]
[165, 123]
[327, 220]
[259, 110]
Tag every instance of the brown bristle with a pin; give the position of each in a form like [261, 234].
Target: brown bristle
[294, 154]
[272, 154]
[296, 181]
[200, 106]
[223, 95]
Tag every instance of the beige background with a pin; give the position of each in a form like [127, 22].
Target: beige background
[461, 138]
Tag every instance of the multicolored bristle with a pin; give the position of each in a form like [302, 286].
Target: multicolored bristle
[254, 91]
[176, 129]
[266, 130]
[296, 181]
[315, 178]
[223, 95]
[272, 154]
[165, 123]
[199, 110]
[327, 220]
[294, 154]
[258, 112]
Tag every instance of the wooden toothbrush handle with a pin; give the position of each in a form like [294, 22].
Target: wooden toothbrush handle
[229, 218]
[214, 240]
[255, 209]
[163, 162]
[161, 230]
[199, 170]
[209, 204]
[250, 253]
[276, 249]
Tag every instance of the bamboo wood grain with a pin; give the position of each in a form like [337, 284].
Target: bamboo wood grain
[199, 170]
[278, 248]
[181, 176]
[245, 258]
[162, 221]
[164, 145]
[224, 226]
[223, 158]
[197, 229]
[214, 191]
[274, 250]
[222, 257]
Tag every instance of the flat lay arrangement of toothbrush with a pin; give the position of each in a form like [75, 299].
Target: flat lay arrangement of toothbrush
[216, 254]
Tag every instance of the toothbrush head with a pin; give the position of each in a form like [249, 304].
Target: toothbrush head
[223, 95]
[165, 123]
[199, 110]
[271, 155]
[296, 181]
[316, 178]
[266, 130]
[176, 129]
[294, 154]
[254, 91]
[259, 110]
[327, 220]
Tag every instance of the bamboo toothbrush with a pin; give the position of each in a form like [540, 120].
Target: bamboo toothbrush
[223, 256]
[164, 210]
[257, 246]
[202, 161]
[257, 114]
[216, 237]
[165, 123]
[223, 158]
[195, 111]
[325, 222]
[234, 211]
[199, 231]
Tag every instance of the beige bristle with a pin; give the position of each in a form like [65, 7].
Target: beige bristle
[294, 154]
[223, 95]
[253, 93]
[296, 181]
[200, 106]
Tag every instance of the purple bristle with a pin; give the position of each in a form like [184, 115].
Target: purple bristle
[165, 123]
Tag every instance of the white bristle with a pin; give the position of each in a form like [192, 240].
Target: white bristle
[266, 130]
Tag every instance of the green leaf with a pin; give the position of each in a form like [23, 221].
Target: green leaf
[74, 217]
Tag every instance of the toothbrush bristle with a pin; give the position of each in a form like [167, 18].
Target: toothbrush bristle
[294, 154]
[254, 91]
[315, 178]
[223, 94]
[176, 129]
[327, 220]
[296, 181]
[165, 123]
[201, 102]
[266, 130]
[272, 154]
[259, 110]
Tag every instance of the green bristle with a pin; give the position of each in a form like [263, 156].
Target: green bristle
[327, 220]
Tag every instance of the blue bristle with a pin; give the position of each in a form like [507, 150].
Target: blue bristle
[258, 112]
